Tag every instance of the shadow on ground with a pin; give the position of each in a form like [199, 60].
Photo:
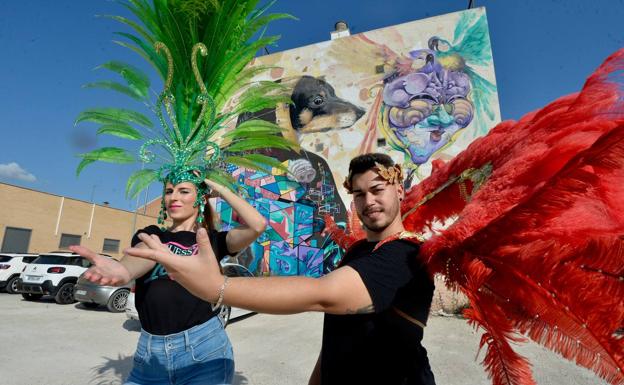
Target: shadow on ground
[239, 379]
[132, 325]
[113, 371]
[82, 306]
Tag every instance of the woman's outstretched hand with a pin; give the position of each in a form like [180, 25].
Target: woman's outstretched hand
[104, 270]
[198, 273]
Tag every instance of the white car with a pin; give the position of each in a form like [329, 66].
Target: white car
[225, 312]
[131, 311]
[52, 274]
[11, 265]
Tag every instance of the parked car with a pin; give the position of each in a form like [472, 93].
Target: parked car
[93, 295]
[52, 274]
[11, 265]
[131, 311]
[226, 313]
[232, 268]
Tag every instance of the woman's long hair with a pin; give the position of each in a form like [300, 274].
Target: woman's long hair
[209, 217]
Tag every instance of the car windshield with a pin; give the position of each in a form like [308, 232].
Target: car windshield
[53, 260]
[5, 258]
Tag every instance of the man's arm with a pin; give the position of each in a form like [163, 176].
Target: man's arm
[107, 271]
[340, 292]
[137, 267]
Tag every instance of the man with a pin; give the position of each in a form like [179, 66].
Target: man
[376, 303]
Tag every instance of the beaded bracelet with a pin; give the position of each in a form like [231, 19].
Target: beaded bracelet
[221, 292]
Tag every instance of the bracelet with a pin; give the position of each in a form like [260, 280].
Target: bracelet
[221, 292]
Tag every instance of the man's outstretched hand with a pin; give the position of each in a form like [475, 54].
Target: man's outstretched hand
[198, 273]
[104, 270]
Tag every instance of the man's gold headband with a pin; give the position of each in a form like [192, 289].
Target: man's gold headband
[393, 174]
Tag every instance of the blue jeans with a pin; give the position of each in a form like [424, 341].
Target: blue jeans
[200, 355]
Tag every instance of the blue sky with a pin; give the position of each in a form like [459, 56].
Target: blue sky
[542, 49]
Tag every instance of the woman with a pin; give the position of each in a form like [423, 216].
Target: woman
[181, 336]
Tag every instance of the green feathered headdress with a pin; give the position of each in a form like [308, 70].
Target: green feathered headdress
[201, 50]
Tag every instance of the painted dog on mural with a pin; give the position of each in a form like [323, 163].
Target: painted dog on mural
[315, 107]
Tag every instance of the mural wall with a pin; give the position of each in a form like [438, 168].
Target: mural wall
[418, 91]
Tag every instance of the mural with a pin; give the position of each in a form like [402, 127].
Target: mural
[418, 91]
[294, 205]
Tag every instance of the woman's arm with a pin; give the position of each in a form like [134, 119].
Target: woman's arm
[255, 224]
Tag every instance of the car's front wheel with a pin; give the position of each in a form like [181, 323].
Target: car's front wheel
[65, 295]
[117, 301]
[31, 297]
[11, 286]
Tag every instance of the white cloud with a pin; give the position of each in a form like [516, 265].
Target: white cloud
[15, 171]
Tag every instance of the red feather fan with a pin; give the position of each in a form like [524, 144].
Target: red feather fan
[537, 242]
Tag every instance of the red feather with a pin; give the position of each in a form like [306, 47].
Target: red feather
[345, 238]
[538, 248]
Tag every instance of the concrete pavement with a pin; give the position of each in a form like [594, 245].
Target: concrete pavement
[45, 343]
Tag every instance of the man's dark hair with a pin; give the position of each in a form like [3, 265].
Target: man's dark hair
[362, 163]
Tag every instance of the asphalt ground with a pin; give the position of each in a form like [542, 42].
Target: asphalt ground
[45, 343]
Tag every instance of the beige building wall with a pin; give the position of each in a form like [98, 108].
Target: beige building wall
[152, 208]
[49, 216]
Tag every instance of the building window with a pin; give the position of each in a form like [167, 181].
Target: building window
[69, 240]
[111, 245]
[16, 240]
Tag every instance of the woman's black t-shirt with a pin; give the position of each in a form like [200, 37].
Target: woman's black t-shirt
[165, 306]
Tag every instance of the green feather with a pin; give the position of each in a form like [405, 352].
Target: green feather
[113, 115]
[221, 177]
[114, 86]
[261, 143]
[140, 30]
[253, 126]
[139, 180]
[120, 130]
[134, 77]
[109, 154]
[226, 29]
[83, 163]
[244, 161]
[104, 154]
[257, 104]
[267, 161]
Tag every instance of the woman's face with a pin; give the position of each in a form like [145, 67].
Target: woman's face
[179, 201]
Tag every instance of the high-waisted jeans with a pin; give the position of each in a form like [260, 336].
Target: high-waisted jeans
[200, 355]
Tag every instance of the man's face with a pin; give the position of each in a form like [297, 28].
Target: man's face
[376, 201]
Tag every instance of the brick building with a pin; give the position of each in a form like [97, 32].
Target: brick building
[35, 222]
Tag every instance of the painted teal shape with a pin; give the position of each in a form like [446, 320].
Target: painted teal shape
[272, 187]
[280, 205]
